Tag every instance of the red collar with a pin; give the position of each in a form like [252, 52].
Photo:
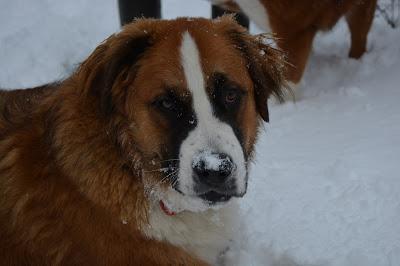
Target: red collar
[166, 210]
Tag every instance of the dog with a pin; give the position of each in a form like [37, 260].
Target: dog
[295, 24]
[138, 157]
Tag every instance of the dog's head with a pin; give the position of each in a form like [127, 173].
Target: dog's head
[190, 93]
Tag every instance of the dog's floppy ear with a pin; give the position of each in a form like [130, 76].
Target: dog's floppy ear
[108, 71]
[266, 66]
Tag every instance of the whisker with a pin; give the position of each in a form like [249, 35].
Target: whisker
[164, 168]
[164, 179]
[170, 174]
[158, 170]
[170, 160]
[175, 181]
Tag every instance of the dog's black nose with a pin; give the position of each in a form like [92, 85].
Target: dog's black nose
[213, 169]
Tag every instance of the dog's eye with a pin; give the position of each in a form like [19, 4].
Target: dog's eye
[231, 96]
[166, 103]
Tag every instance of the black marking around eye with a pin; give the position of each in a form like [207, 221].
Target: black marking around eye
[169, 105]
[220, 85]
[181, 119]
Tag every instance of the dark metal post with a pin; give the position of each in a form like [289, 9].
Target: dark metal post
[131, 9]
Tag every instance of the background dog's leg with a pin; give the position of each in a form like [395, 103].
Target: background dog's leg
[131, 9]
[359, 19]
[297, 47]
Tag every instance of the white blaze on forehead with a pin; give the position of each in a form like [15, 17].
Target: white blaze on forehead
[194, 77]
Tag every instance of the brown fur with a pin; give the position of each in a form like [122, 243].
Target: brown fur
[72, 154]
[296, 23]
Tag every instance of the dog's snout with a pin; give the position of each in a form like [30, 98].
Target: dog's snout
[213, 169]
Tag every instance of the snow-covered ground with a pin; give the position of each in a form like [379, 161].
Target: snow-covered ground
[325, 188]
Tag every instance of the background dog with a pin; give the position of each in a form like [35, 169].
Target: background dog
[296, 23]
[138, 156]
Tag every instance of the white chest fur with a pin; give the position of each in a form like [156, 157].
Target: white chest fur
[206, 234]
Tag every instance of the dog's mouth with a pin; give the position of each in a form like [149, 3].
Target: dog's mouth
[199, 202]
[213, 197]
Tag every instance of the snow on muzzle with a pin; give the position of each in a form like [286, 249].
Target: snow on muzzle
[212, 172]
